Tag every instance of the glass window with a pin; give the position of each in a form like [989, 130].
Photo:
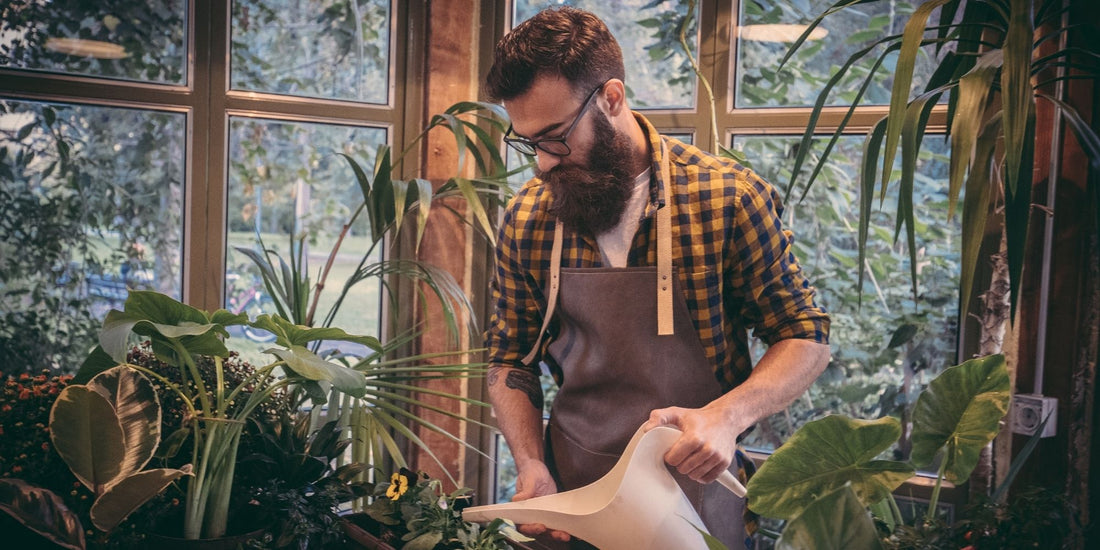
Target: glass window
[286, 179]
[313, 48]
[91, 204]
[143, 40]
[767, 29]
[866, 377]
[658, 74]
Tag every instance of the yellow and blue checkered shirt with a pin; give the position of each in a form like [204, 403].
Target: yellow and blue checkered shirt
[729, 248]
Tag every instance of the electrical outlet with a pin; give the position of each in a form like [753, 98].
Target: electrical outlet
[1029, 410]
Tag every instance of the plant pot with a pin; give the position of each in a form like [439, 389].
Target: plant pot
[232, 542]
[365, 533]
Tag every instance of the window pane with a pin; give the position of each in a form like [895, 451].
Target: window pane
[765, 34]
[865, 378]
[288, 179]
[337, 49]
[142, 40]
[658, 74]
[90, 205]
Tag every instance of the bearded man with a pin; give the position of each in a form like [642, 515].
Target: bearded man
[632, 267]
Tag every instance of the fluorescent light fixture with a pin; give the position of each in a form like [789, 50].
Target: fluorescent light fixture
[81, 47]
[779, 33]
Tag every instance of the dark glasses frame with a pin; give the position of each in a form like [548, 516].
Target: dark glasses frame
[556, 146]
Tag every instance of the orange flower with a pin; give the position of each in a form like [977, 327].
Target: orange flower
[398, 485]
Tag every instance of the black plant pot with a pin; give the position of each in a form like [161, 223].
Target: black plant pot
[231, 542]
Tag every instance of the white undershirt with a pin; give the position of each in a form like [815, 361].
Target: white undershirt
[615, 242]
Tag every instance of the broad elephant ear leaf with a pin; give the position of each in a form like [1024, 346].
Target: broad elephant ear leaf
[160, 317]
[836, 521]
[41, 511]
[307, 364]
[822, 457]
[960, 412]
[138, 410]
[86, 433]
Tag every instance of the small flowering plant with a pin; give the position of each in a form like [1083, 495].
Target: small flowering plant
[25, 402]
[416, 507]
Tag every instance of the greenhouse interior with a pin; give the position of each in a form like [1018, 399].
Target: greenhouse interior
[548, 274]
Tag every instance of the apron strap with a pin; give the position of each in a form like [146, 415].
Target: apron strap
[664, 266]
[552, 298]
[664, 251]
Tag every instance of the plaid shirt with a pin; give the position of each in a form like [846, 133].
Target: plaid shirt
[729, 248]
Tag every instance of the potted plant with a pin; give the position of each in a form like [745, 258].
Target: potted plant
[828, 474]
[292, 477]
[106, 431]
[411, 511]
[391, 200]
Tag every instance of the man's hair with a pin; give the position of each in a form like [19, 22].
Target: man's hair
[565, 41]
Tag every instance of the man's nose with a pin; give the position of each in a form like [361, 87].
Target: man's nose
[545, 161]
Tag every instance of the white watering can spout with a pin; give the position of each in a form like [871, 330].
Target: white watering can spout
[636, 506]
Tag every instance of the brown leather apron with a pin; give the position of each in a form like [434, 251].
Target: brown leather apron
[616, 369]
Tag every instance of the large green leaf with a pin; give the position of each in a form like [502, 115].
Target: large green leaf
[307, 364]
[960, 411]
[836, 521]
[86, 433]
[823, 456]
[41, 511]
[160, 317]
[128, 494]
[137, 407]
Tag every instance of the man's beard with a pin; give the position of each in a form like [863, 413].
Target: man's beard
[591, 199]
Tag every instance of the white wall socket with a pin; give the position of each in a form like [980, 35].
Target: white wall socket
[1029, 410]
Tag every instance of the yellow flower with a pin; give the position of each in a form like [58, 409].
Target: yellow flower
[398, 485]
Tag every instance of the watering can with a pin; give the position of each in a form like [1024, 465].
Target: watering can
[636, 506]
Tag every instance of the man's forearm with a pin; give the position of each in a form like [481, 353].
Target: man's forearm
[516, 396]
[786, 370]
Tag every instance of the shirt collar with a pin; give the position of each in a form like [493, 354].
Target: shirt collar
[657, 183]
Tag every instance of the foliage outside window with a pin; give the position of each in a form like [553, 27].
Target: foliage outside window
[760, 82]
[130, 40]
[328, 49]
[288, 179]
[93, 178]
[91, 200]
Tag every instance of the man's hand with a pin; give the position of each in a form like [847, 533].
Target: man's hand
[533, 479]
[708, 443]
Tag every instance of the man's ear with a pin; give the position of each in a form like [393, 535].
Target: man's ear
[614, 91]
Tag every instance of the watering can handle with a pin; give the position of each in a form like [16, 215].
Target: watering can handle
[727, 479]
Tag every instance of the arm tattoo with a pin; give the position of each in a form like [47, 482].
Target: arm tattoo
[527, 383]
[519, 379]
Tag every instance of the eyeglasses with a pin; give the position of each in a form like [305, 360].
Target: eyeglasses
[556, 145]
